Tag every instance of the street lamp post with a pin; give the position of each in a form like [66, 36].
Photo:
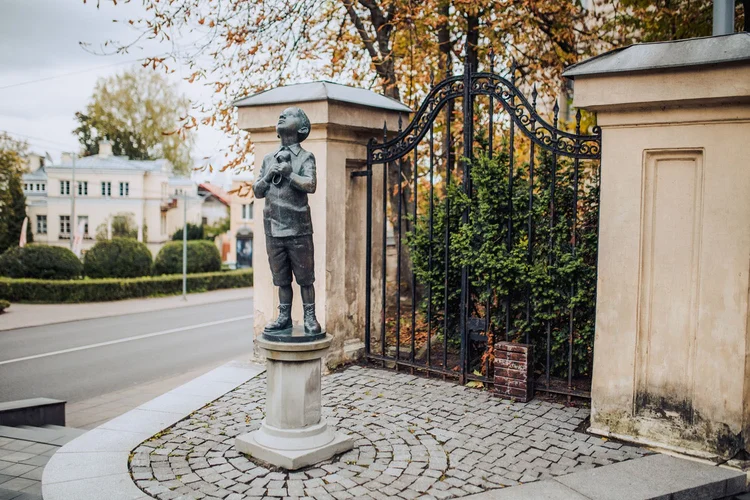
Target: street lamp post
[184, 246]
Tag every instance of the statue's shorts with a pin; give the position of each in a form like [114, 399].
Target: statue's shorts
[291, 254]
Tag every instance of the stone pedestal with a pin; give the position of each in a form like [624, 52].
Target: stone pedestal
[293, 434]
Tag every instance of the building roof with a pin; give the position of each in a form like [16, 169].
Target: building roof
[40, 174]
[116, 163]
[322, 91]
[712, 50]
[216, 191]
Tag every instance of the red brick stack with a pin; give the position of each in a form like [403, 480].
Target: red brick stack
[513, 371]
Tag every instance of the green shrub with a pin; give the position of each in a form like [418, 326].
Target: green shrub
[10, 263]
[40, 262]
[118, 258]
[194, 232]
[202, 257]
[97, 290]
[4, 304]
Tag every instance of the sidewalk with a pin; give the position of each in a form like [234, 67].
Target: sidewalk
[26, 315]
[414, 438]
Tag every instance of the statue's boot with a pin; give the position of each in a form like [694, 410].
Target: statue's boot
[283, 322]
[312, 326]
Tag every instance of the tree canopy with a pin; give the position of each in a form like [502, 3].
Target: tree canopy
[12, 199]
[239, 47]
[142, 114]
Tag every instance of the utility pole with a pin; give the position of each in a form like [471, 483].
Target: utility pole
[73, 204]
[184, 246]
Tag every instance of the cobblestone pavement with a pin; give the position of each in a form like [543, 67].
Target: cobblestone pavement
[414, 438]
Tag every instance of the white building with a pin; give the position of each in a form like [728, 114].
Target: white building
[107, 186]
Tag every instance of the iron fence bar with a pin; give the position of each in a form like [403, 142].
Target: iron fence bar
[429, 258]
[368, 250]
[530, 250]
[550, 258]
[398, 250]
[511, 160]
[574, 228]
[413, 271]
[488, 305]
[468, 144]
[446, 252]
[384, 249]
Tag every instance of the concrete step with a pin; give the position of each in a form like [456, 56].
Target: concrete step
[35, 411]
[47, 434]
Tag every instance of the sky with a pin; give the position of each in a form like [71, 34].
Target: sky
[47, 76]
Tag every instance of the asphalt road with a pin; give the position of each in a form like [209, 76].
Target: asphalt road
[84, 359]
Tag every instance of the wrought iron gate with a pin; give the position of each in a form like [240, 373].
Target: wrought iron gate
[451, 311]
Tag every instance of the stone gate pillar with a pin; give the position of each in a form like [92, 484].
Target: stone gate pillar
[343, 120]
[672, 348]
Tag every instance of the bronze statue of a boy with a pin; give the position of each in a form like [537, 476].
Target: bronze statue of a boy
[286, 177]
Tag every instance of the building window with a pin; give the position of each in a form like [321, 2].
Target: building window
[124, 188]
[44, 187]
[247, 211]
[106, 189]
[163, 223]
[25, 187]
[64, 188]
[41, 224]
[83, 188]
[85, 220]
[65, 227]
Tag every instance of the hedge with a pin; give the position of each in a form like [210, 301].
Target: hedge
[202, 257]
[118, 258]
[97, 290]
[4, 304]
[40, 262]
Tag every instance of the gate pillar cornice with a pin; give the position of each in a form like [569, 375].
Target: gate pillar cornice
[343, 120]
[672, 349]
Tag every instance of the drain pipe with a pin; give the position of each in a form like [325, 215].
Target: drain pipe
[723, 17]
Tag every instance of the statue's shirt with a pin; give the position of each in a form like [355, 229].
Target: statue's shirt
[287, 212]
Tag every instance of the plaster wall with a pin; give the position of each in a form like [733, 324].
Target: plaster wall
[671, 348]
[338, 140]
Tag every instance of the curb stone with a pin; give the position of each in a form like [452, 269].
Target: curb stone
[95, 465]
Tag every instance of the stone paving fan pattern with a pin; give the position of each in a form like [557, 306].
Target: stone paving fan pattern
[414, 438]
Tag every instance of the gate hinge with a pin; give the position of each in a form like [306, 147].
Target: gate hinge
[361, 173]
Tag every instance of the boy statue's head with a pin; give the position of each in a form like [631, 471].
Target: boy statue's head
[293, 122]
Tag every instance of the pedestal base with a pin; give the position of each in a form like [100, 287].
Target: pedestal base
[293, 449]
[293, 434]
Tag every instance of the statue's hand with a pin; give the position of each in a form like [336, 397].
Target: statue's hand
[285, 169]
[274, 170]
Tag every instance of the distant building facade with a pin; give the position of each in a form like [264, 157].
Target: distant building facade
[241, 225]
[107, 186]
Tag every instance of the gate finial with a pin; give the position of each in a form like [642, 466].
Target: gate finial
[556, 111]
[513, 72]
[534, 94]
[492, 59]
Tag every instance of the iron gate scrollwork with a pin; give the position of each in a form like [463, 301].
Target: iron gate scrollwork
[447, 328]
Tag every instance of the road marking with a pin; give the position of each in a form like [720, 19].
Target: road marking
[127, 339]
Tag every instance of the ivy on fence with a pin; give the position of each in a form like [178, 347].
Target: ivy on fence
[537, 285]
